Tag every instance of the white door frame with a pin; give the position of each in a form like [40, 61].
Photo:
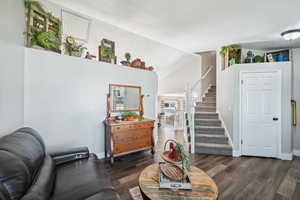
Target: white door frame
[279, 151]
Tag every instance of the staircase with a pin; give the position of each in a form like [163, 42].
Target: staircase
[210, 136]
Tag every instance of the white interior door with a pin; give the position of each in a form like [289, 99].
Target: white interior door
[261, 113]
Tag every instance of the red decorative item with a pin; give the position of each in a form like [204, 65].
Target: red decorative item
[171, 155]
[171, 145]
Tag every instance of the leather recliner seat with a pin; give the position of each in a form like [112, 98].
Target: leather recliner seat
[27, 172]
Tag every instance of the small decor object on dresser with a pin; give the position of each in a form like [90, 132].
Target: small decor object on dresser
[107, 51]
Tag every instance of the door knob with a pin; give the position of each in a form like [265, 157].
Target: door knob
[275, 119]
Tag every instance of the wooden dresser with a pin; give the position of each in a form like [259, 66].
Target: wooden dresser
[127, 137]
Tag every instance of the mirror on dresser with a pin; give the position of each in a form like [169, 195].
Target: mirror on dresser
[126, 129]
[125, 98]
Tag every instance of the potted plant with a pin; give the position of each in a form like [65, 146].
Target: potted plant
[73, 48]
[127, 61]
[225, 51]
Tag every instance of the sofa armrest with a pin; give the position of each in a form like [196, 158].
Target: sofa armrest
[73, 154]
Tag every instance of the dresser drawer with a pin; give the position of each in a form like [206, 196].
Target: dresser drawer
[132, 145]
[131, 135]
[133, 126]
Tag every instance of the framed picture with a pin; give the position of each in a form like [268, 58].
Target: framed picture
[107, 51]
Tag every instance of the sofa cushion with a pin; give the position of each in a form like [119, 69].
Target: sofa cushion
[15, 177]
[80, 180]
[27, 147]
[42, 186]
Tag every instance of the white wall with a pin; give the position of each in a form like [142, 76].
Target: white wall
[296, 96]
[189, 72]
[11, 65]
[228, 103]
[65, 97]
[165, 59]
[208, 61]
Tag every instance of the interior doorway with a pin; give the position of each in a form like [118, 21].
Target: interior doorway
[261, 113]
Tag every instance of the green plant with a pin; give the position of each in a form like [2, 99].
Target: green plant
[258, 59]
[232, 61]
[44, 39]
[38, 5]
[127, 56]
[107, 52]
[186, 160]
[130, 114]
[74, 49]
[50, 40]
[226, 49]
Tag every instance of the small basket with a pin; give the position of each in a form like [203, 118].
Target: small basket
[164, 155]
[173, 172]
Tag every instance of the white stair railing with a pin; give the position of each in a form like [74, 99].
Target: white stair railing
[190, 105]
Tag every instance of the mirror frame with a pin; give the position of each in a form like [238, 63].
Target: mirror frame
[125, 86]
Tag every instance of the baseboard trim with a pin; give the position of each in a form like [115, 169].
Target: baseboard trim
[236, 153]
[100, 155]
[226, 130]
[296, 152]
[286, 156]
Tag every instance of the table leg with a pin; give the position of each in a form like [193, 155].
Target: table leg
[112, 160]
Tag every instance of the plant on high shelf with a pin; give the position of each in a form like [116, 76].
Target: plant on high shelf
[73, 48]
[44, 39]
[227, 49]
[107, 52]
[127, 61]
[230, 54]
[43, 30]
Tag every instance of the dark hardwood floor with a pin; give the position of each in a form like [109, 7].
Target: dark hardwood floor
[243, 178]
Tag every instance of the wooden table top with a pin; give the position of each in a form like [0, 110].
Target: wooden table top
[204, 188]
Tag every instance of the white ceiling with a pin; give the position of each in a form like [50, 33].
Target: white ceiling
[196, 25]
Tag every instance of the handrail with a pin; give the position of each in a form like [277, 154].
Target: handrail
[202, 77]
[207, 72]
[190, 106]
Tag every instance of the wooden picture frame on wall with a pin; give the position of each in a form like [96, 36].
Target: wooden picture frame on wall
[40, 22]
[107, 51]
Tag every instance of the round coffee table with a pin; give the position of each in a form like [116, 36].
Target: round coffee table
[203, 187]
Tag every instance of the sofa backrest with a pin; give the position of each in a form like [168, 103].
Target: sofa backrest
[21, 156]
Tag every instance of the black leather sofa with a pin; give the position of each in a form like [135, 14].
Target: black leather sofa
[28, 173]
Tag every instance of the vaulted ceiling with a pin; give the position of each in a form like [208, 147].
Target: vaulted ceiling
[195, 25]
